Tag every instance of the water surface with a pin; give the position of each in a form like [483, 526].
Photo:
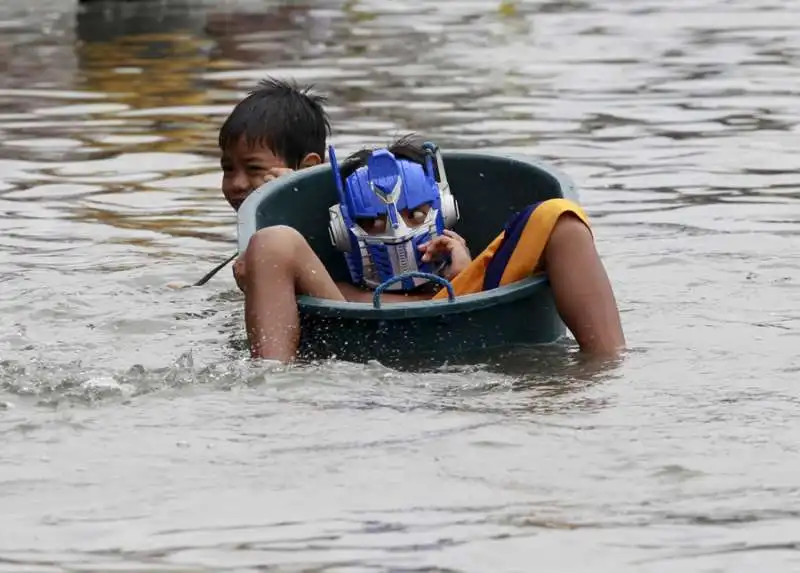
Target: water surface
[135, 434]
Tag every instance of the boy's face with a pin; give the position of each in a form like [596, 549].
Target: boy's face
[245, 168]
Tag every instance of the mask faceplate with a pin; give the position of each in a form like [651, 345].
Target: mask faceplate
[382, 189]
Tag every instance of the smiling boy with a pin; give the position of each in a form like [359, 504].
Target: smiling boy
[278, 128]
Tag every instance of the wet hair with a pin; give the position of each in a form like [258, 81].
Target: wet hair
[288, 120]
[407, 147]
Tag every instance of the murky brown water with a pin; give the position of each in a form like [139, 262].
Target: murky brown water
[135, 435]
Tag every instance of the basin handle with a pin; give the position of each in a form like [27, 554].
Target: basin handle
[376, 297]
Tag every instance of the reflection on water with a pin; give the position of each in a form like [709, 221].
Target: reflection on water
[136, 436]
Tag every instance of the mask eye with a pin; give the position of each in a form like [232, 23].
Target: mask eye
[418, 216]
[372, 226]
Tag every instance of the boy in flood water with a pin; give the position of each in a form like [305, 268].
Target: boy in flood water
[278, 128]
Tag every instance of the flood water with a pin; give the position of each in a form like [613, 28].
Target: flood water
[135, 435]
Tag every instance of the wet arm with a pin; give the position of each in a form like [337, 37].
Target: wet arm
[581, 288]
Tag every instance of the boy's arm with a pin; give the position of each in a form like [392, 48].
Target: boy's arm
[581, 288]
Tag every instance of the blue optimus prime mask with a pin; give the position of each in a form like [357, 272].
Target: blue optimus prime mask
[383, 188]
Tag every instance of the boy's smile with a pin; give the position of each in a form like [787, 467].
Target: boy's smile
[244, 169]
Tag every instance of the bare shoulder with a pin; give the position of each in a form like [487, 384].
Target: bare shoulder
[570, 228]
[570, 239]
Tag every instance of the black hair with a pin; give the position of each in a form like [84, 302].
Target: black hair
[289, 120]
[409, 147]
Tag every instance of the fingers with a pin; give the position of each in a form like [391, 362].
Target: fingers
[438, 246]
[456, 236]
[442, 244]
[239, 273]
[275, 172]
[238, 268]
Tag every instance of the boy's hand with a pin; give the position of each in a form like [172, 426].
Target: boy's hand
[275, 172]
[239, 272]
[448, 244]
